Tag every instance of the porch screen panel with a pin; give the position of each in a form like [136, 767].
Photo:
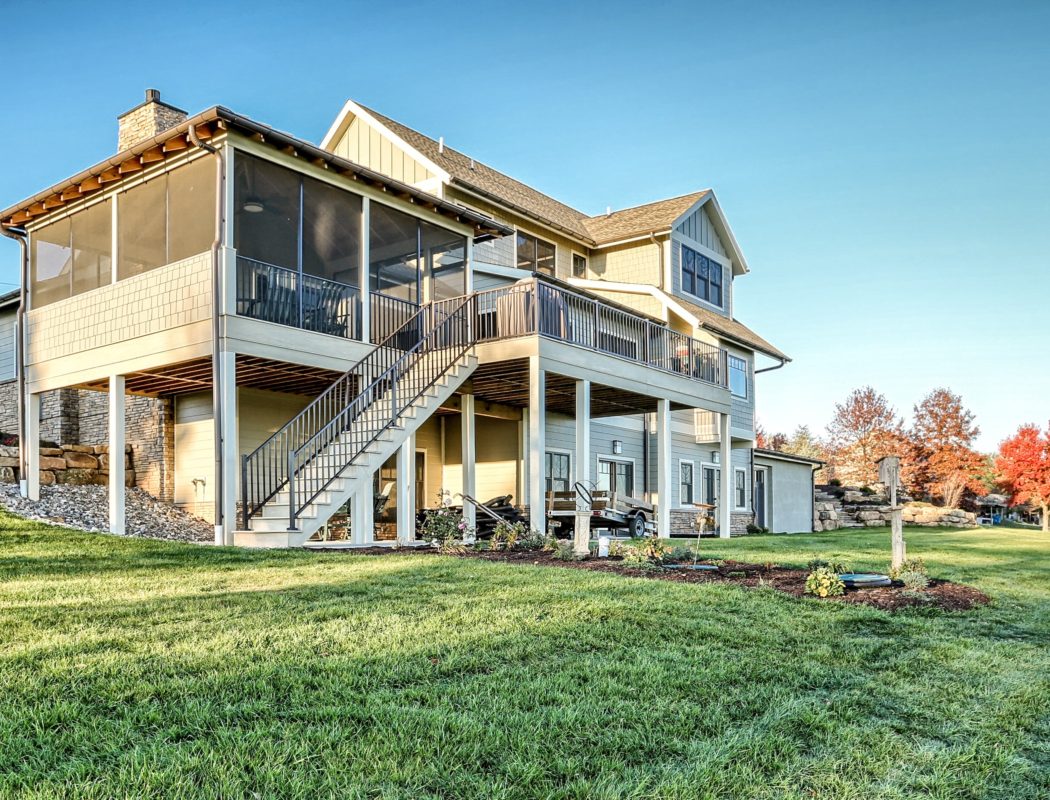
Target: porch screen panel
[191, 209]
[445, 255]
[93, 247]
[393, 253]
[142, 216]
[52, 263]
[266, 212]
[331, 232]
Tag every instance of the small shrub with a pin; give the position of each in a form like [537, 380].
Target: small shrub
[756, 529]
[531, 539]
[916, 565]
[444, 528]
[836, 564]
[867, 491]
[834, 482]
[506, 535]
[679, 554]
[913, 581]
[824, 582]
[561, 550]
[644, 554]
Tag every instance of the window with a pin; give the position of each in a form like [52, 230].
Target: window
[394, 253]
[166, 219]
[445, 261]
[738, 376]
[535, 254]
[702, 276]
[266, 212]
[685, 475]
[71, 256]
[741, 489]
[579, 266]
[616, 476]
[331, 232]
[558, 470]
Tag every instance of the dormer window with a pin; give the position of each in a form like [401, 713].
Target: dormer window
[702, 277]
[535, 255]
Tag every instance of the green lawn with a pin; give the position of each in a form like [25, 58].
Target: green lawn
[146, 669]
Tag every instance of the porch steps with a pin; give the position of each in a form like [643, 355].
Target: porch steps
[269, 528]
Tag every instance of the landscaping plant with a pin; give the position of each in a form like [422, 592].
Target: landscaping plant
[825, 582]
[444, 528]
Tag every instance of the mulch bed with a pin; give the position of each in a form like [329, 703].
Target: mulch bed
[942, 595]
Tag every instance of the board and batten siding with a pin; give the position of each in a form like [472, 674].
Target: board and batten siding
[364, 145]
[697, 232]
[7, 345]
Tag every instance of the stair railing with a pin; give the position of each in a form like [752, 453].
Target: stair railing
[317, 445]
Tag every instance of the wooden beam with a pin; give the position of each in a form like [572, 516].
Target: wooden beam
[109, 176]
[204, 132]
[71, 193]
[152, 155]
[131, 165]
[175, 144]
[90, 185]
[54, 201]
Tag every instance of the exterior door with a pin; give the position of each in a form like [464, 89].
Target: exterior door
[710, 479]
[760, 498]
[421, 479]
[616, 476]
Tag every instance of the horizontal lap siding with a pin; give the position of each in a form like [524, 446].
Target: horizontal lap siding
[7, 345]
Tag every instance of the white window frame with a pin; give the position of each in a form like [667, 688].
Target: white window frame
[623, 460]
[737, 472]
[718, 479]
[747, 376]
[572, 255]
[691, 463]
[561, 451]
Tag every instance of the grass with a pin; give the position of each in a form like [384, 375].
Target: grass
[144, 669]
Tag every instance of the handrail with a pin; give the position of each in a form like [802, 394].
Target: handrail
[317, 445]
[536, 307]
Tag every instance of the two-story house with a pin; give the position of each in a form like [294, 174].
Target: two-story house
[382, 316]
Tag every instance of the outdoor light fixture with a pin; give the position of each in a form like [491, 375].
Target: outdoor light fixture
[253, 206]
[617, 447]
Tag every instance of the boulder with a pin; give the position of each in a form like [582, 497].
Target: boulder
[7, 475]
[7, 451]
[8, 461]
[78, 448]
[78, 459]
[49, 462]
[77, 477]
[51, 451]
[47, 477]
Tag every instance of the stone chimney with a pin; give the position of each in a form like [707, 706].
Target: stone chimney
[146, 121]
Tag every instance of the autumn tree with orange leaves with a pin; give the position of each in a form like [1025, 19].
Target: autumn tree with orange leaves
[864, 429]
[944, 463]
[1024, 467]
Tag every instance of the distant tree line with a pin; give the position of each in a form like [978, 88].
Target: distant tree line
[938, 459]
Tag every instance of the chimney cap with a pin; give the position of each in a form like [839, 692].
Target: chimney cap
[152, 96]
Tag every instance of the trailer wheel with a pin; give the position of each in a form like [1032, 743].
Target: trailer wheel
[636, 526]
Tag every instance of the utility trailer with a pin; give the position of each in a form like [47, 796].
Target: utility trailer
[609, 510]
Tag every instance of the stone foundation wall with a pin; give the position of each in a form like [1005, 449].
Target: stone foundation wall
[74, 415]
[683, 523]
[70, 464]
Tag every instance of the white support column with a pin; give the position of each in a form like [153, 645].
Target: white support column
[664, 467]
[363, 271]
[725, 493]
[31, 480]
[468, 428]
[362, 513]
[582, 534]
[406, 490]
[537, 445]
[231, 454]
[116, 454]
[523, 451]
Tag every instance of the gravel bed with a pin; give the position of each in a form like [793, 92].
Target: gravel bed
[86, 508]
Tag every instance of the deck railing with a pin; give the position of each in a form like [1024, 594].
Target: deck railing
[536, 306]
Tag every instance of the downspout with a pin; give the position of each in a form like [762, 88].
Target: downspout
[216, 329]
[646, 419]
[19, 235]
[659, 260]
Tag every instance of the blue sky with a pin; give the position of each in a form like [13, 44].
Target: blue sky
[885, 166]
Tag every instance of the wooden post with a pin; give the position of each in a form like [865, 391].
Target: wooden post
[889, 474]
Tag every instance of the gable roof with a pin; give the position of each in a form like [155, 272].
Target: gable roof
[640, 220]
[479, 178]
